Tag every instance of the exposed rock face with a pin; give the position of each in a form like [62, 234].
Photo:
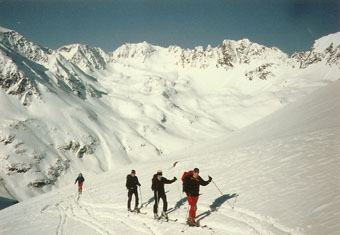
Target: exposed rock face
[262, 72]
[84, 56]
[325, 50]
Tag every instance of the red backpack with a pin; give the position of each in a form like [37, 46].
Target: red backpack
[187, 173]
[184, 175]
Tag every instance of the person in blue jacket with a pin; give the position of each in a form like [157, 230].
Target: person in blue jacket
[80, 179]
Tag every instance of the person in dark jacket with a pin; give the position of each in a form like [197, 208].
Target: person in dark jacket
[131, 185]
[80, 179]
[191, 186]
[157, 186]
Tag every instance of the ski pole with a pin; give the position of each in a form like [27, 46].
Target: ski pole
[235, 201]
[217, 187]
[141, 199]
[186, 216]
[180, 193]
[157, 198]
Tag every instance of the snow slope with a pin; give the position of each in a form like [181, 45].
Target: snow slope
[285, 168]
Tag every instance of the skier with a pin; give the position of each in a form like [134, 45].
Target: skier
[191, 186]
[80, 180]
[158, 187]
[131, 185]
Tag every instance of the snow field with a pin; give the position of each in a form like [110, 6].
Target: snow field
[102, 210]
[284, 167]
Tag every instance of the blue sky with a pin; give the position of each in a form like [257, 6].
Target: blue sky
[291, 25]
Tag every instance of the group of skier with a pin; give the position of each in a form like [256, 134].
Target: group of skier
[191, 185]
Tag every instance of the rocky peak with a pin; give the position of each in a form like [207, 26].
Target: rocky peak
[4, 30]
[84, 56]
[25, 68]
[229, 54]
[138, 51]
[324, 49]
[16, 42]
[13, 78]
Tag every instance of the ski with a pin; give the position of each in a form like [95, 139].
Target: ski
[199, 226]
[163, 219]
[138, 212]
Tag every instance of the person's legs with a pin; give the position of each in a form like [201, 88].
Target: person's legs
[136, 199]
[165, 203]
[155, 206]
[80, 188]
[129, 200]
[192, 200]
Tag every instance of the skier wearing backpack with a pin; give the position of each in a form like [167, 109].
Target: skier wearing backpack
[157, 186]
[191, 186]
[131, 185]
[80, 179]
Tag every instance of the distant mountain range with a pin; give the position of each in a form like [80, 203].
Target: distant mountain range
[80, 109]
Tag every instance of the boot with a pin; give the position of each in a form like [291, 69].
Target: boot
[155, 216]
[164, 215]
[192, 222]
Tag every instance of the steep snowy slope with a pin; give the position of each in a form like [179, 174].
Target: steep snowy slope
[284, 167]
[78, 108]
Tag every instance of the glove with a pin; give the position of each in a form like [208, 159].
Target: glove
[175, 178]
[210, 179]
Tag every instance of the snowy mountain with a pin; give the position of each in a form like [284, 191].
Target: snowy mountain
[325, 50]
[84, 56]
[284, 167]
[79, 109]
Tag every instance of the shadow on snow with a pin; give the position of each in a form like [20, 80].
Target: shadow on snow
[216, 205]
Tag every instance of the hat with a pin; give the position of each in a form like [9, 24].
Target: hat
[196, 170]
[159, 172]
[133, 172]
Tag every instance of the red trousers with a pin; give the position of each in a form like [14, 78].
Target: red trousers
[80, 187]
[192, 202]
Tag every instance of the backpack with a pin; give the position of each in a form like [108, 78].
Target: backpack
[153, 186]
[184, 175]
[187, 173]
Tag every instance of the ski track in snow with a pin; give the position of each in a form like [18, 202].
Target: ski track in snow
[107, 219]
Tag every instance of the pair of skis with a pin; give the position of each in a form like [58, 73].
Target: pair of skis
[167, 219]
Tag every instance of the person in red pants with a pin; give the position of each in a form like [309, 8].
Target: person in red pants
[80, 180]
[191, 186]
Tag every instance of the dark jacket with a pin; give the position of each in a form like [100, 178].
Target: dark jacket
[80, 179]
[191, 186]
[158, 185]
[132, 182]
